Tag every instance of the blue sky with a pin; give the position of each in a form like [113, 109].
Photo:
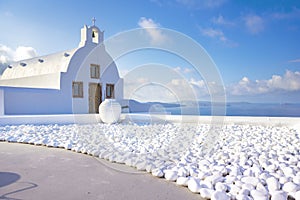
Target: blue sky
[255, 44]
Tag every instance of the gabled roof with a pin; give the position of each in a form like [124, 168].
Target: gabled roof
[39, 72]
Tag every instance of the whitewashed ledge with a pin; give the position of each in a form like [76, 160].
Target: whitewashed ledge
[49, 119]
[293, 122]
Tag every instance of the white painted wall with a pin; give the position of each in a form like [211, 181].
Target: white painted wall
[1, 101]
[49, 119]
[108, 75]
[292, 122]
[23, 101]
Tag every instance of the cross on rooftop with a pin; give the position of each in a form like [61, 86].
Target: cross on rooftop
[94, 20]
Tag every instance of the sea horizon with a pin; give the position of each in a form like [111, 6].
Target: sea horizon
[231, 108]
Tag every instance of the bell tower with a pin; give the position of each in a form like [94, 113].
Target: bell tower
[91, 35]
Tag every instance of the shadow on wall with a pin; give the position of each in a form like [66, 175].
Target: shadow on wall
[2, 68]
[8, 178]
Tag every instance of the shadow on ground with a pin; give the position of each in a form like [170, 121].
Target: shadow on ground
[8, 178]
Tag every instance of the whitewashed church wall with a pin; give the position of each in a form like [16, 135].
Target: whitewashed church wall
[1, 102]
[47, 101]
[37, 101]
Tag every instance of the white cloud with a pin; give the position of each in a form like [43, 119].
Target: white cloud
[123, 72]
[178, 69]
[181, 70]
[152, 29]
[254, 23]
[188, 89]
[294, 61]
[6, 54]
[290, 82]
[221, 21]
[9, 55]
[200, 84]
[188, 70]
[218, 34]
[195, 89]
[149, 91]
[176, 89]
[214, 33]
[23, 53]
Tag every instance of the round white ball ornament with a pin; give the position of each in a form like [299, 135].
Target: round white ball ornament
[110, 111]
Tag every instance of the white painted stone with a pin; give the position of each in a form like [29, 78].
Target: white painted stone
[141, 166]
[279, 195]
[264, 176]
[273, 184]
[193, 172]
[249, 172]
[217, 177]
[235, 170]
[242, 197]
[248, 186]
[288, 171]
[68, 146]
[239, 183]
[262, 188]
[229, 179]
[293, 160]
[183, 181]
[284, 179]
[290, 187]
[171, 175]
[244, 191]
[202, 175]
[157, 173]
[271, 168]
[206, 193]
[194, 185]
[233, 189]
[218, 195]
[183, 172]
[128, 161]
[296, 179]
[250, 180]
[221, 187]
[259, 195]
[149, 167]
[297, 195]
[207, 184]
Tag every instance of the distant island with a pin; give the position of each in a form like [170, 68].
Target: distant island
[204, 108]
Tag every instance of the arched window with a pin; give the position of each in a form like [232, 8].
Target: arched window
[95, 35]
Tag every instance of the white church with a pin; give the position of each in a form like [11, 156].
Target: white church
[71, 81]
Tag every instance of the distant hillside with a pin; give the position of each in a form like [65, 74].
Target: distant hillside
[135, 106]
[205, 108]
